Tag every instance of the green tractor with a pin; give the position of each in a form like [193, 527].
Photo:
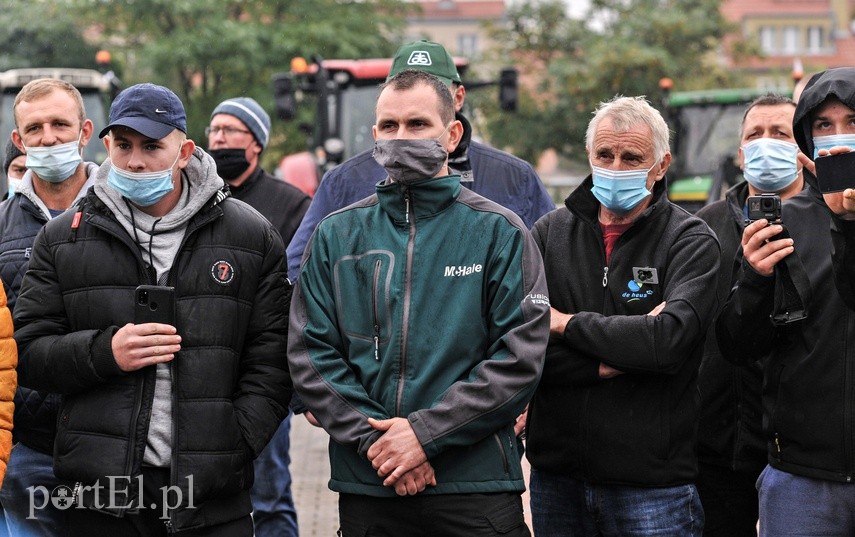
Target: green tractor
[705, 126]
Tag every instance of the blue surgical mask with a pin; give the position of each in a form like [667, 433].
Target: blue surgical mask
[770, 165]
[14, 185]
[142, 189]
[620, 191]
[834, 140]
[54, 163]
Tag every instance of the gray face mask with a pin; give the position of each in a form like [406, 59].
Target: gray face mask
[407, 161]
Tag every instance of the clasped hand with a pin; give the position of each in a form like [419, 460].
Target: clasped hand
[399, 458]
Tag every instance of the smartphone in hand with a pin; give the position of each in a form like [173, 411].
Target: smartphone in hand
[154, 304]
[835, 173]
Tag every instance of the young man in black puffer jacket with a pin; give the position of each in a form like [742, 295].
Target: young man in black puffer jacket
[159, 422]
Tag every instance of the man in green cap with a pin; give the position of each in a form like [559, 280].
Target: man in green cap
[496, 175]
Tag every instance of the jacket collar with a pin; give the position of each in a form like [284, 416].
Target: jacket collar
[424, 198]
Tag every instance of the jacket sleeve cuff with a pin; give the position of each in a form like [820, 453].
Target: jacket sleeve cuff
[103, 360]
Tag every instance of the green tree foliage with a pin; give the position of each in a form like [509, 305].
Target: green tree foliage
[623, 47]
[42, 34]
[209, 50]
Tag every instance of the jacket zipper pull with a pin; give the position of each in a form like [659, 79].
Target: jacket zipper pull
[407, 202]
[75, 223]
[605, 276]
[376, 342]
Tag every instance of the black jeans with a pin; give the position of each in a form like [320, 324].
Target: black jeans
[464, 515]
[730, 501]
[147, 522]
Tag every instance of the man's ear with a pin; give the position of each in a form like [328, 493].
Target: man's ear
[18, 141]
[188, 146]
[665, 162]
[86, 132]
[455, 134]
[459, 94]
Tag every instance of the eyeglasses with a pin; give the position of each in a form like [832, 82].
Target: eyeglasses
[228, 131]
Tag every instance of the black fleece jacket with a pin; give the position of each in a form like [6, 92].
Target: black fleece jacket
[637, 428]
[730, 427]
[809, 373]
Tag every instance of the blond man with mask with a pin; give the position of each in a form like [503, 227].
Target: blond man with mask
[51, 129]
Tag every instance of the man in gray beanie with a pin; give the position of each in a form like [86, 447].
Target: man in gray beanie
[238, 133]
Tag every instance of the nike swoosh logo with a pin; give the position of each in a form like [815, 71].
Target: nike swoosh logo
[159, 111]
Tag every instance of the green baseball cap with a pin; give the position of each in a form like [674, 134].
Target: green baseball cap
[426, 56]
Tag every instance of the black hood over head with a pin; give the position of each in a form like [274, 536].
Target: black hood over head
[838, 82]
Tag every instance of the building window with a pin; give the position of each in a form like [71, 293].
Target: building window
[767, 40]
[815, 39]
[791, 43]
[467, 45]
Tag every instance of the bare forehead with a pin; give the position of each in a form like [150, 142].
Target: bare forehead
[778, 113]
[419, 98]
[833, 106]
[636, 138]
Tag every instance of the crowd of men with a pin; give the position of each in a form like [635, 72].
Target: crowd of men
[665, 373]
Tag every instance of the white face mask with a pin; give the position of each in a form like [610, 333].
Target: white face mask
[54, 163]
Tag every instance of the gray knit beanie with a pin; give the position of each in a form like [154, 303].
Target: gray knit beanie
[250, 113]
[12, 152]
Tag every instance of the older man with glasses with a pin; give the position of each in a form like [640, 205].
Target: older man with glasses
[238, 133]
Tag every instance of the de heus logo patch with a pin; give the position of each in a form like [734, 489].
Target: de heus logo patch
[223, 272]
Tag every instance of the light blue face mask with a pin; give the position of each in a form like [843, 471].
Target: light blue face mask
[770, 165]
[620, 191]
[833, 140]
[54, 163]
[14, 185]
[142, 189]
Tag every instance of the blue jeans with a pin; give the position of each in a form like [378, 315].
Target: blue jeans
[795, 505]
[564, 507]
[273, 510]
[29, 513]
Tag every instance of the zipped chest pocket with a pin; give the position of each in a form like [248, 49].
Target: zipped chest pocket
[363, 300]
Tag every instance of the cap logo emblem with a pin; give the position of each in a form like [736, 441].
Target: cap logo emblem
[223, 272]
[159, 111]
[419, 57]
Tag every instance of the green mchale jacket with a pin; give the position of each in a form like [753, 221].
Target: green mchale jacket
[424, 301]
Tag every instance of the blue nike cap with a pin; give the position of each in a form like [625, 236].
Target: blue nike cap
[151, 110]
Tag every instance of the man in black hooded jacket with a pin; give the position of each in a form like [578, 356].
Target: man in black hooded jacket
[786, 308]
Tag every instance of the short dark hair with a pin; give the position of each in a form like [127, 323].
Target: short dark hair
[410, 78]
[769, 99]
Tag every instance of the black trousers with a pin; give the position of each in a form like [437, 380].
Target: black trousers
[464, 515]
[147, 522]
[730, 501]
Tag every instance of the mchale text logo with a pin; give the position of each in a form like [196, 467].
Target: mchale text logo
[118, 489]
[462, 270]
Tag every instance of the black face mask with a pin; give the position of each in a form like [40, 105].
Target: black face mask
[230, 162]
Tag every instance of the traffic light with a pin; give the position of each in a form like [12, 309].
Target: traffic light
[508, 89]
[283, 96]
